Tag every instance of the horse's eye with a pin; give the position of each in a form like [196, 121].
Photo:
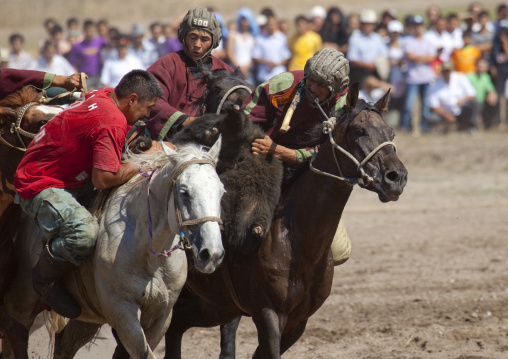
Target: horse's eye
[361, 132]
[184, 191]
[42, 123]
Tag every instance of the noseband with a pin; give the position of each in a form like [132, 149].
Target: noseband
[16, 128]
[364, 179]
[184, 242]
[229, 92]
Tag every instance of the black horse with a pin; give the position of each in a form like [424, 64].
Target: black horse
[252, 183]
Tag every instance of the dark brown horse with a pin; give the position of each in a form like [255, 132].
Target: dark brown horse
[290, 276]
[21, 117]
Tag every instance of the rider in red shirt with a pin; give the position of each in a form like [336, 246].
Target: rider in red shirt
[82, 143]
[180, 73]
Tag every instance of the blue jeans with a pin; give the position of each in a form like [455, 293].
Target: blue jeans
[412, 91]
[68, 226]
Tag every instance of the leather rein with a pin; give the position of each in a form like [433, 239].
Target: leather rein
[184, 241]
[16, 128]
[229, 92]
[365, 179]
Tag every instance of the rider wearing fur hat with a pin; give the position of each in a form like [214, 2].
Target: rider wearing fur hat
[324, 80]
[180, 73]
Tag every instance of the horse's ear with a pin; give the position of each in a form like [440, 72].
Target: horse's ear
[352, 96]
[167, 150]
[5, 114]
[215, 150]
[238, 72]
[382, 103]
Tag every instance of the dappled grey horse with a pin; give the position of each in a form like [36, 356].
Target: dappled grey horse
[139, 268]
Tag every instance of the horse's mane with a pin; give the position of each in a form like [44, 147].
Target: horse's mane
[20, 98]
[158, 159]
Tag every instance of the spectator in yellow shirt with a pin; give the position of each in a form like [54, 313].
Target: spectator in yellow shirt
[465, 59]
[304, 44]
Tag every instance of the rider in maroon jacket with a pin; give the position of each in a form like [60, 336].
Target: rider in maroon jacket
[12, 80]
[180, 73]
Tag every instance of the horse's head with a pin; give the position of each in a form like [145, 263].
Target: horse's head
[224, 89]
[197, 195]
[21, 117]
[362, 132]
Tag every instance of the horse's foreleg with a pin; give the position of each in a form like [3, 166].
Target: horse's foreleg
[228, 339]
[73, 337]
[267, 323]
[290, 338]
[125, 320]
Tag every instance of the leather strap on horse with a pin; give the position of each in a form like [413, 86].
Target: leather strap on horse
[226, 276]
[44, 99]
[191, 222]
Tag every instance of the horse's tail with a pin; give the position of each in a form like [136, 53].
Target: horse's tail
[54, 323]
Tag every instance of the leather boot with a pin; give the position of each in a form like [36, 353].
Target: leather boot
[46, 277]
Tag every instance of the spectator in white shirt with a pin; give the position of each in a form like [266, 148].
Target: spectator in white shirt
[19, 58]
[114, 69]
[52, 62]
[453, 99]
[144, 49]
[441, 38]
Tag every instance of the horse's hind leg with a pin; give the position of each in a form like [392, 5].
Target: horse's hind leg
[228, 339]
[14, 333]
[73, 337]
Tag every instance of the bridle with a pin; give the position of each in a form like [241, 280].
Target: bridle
[16, 128]
[184, 241]
[229, 92]
[365, 179]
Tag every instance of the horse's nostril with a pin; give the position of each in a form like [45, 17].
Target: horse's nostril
[204, 255]
[392, 176]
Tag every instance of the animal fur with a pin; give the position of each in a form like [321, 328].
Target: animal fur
[253, 183]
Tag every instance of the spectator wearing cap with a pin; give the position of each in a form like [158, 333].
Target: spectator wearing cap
[366, 48]
[146, 51]
[271, 51]
[441, 38]
[335, 33]
[85, 56]
[382, 27]
[317, 16]
[180, 73]
[419, 52]
[453, 100]
[304, 44]
[114, 69]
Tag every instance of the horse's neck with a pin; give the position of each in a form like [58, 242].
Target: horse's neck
[163, 235]
[317, 203]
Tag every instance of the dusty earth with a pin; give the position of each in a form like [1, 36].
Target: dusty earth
[428, 276]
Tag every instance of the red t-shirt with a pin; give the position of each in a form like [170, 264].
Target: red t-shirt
[90, 133]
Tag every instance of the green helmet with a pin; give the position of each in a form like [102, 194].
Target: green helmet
[201, 19]
[330, 68]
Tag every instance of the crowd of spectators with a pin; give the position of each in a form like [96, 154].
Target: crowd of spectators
[456, 64]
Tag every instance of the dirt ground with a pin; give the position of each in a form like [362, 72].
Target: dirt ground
[427, 278]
